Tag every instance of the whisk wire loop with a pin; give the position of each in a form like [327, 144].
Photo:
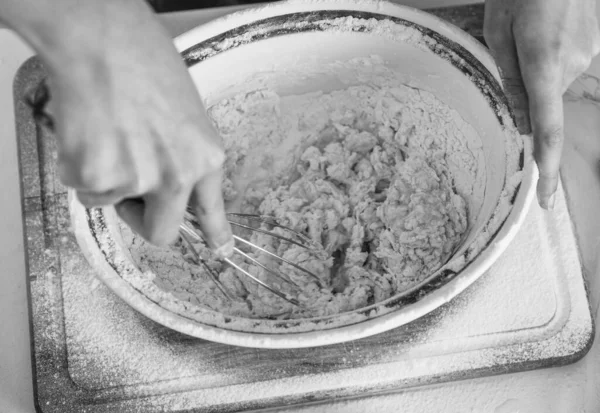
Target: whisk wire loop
[190, 232]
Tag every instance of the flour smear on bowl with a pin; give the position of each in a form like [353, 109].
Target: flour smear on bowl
[380, 174]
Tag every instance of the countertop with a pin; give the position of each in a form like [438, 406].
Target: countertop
[574, 388]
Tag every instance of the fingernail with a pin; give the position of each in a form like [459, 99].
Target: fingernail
[551, 201]
[225, 250]
[222, 241]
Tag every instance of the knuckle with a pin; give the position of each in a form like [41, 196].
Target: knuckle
[134, 182]
[216, 159]
[94, 178]
[203, 157]
[553, 138]
[86, 166]
[212, 160]
[176, 176]
[549, 176]
[177, 182]
[83, 176]
[90, 178]
[536, 51]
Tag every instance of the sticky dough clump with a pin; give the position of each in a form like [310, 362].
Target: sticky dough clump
[369, 173]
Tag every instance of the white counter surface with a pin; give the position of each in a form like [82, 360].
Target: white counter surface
[574, 388]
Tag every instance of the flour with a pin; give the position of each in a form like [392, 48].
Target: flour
[166, 363]
[455, 168]
[378, 174]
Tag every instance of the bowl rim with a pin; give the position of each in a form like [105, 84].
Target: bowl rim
[369, 325]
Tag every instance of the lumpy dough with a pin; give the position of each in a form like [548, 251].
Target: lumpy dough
[368, 173]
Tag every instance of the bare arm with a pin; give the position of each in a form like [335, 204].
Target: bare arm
[130, 123]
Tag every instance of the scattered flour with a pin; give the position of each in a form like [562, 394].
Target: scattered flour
[179, 287]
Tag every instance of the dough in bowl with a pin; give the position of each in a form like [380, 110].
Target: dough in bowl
[377, 174]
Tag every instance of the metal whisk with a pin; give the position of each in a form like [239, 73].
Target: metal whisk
[190, 234]
[190, 231]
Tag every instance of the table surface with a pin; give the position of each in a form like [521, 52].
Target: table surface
[574, 388]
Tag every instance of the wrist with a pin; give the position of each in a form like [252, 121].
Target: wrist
[65, 32]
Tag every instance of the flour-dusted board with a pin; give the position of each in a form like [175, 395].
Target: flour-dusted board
[93, 353]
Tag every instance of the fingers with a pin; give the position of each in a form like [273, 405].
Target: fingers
[543, 78]
[207, 200]
[155, 207]
[102, 169]
[532, 76]
[157, 216]
[163, 215]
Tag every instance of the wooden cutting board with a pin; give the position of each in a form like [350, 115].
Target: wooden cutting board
[93, 353]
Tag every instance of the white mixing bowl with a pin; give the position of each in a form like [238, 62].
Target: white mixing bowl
[282, 46]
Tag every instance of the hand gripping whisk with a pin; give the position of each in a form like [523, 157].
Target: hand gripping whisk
[191, 234]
